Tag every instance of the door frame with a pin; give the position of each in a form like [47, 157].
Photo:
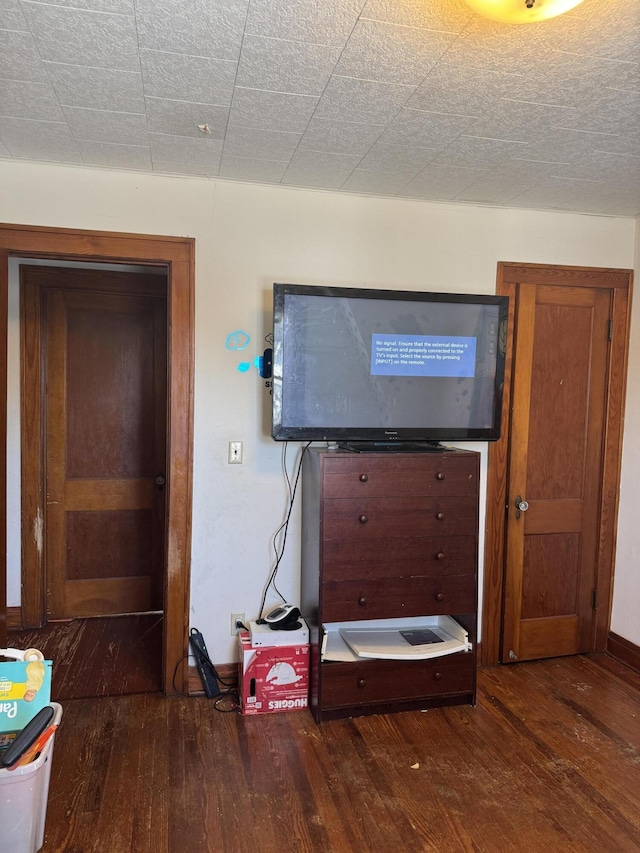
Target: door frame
[619, 282]
[176, 255]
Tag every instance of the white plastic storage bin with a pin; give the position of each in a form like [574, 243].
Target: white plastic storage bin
[23, 800]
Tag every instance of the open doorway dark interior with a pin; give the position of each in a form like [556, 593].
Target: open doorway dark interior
[93, 390]
[176, 257]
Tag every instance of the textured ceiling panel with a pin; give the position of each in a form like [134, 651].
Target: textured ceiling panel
[403, 98]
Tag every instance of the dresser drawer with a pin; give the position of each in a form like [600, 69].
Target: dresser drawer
[364, 682]
[361, 518]
[388, 598]
[382, 476]
[345, 559]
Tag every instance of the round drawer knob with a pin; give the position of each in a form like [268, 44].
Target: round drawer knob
[437, 676]
[364, 478]
[439, 596]
[439, 476]
[440, 556]
[362, 601]
[362, 682]
[363, 519]
[440, 516]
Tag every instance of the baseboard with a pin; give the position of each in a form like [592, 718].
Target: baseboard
[14, 618]
[228, 672]
[624, 651]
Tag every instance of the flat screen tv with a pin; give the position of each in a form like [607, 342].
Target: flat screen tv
[386, 369]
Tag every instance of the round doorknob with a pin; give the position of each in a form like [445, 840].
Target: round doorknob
[439, 476]
[440, 556]
[160, 480]
[440, 516]
[362, 601]
[439, 596]
[362, 682]
[363, 519]
[437, 676]
[364, 478]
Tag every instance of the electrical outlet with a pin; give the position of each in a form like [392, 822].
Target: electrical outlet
[235, 453]
[235, 618]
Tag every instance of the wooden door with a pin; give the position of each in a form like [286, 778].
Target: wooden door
[558, 427]
[105, 378]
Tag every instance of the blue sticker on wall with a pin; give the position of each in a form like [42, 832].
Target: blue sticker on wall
[237, 340]
[244, 366]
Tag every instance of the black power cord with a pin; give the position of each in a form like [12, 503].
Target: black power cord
[222, 696]
[283, 527]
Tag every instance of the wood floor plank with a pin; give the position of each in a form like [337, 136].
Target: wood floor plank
[110, 656]
[546, 761]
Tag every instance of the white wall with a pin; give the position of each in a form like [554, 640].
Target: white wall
[249, 236]
[625, 617]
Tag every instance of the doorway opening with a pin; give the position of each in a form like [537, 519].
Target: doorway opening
[175, 256]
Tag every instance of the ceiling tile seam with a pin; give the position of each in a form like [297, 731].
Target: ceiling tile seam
[183, 101]
[116, 144]
[404, 105]
[83, 11]
[148, 50]
[616, 154]
[585, 132]
[143, 85]
[412, 109]
[570, 179]
[235, 80]
[408, 26]
[594, 56]
[422, 170]
[252, 159]
[330, 76]
[51, 82]
[100, 110]
[624, 91]
[537, 103]
[247, 30]
[37, 120]
[492, 139]
[275, 92]
[440, 113]
[377, 81]
[83, 65]
[308, 42]
[541, 162]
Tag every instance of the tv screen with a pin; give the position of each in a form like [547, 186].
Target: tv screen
[386, 366]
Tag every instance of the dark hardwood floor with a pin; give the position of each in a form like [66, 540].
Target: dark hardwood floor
[548, 760]
[107, 656]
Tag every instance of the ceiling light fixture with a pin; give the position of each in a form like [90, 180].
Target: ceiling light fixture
[521, 11]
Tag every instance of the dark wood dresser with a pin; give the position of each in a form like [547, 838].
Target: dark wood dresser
[389, 535]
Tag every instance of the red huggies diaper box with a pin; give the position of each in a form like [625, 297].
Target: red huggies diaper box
[272, 678]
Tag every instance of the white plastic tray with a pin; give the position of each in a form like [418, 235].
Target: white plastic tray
[381, 639]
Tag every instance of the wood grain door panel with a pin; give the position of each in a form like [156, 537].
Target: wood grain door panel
[105, 415]
[559, 395]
